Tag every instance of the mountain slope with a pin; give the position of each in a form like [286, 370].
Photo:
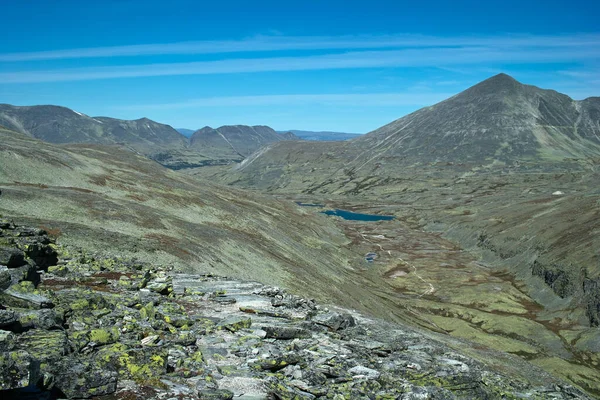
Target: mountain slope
[240, 140]
[108, 198]
[219, 147]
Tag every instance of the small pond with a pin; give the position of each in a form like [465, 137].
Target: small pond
[352, 216]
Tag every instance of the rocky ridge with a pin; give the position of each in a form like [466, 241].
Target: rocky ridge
[80, 326]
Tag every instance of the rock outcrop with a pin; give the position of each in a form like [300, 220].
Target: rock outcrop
[74, 325]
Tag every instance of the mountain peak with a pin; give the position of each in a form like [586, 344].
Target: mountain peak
[497, 84]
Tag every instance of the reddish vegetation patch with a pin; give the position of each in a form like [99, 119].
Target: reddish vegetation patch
[78, 189]
[113, 276]
[168, 243]
[143, 392]
[541, 201]
[99, 180]
[52, 232]
[136, 197]
[36, 185]
[58, 284]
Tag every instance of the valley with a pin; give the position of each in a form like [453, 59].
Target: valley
[487, 217]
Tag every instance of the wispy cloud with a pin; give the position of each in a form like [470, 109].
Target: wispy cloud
[357, 59]
[283, 43]
[340, 99]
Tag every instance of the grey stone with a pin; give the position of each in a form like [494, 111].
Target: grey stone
[11, 257]
[5, 277]
[18, 370]
[8, 319]
[7, 341]
[216, 394]
[334, 321]
[286, 332]
[368, 373]
[15, 298]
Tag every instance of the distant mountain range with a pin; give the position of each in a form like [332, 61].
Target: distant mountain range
[299, 134]
[207, 146]
[323, 135]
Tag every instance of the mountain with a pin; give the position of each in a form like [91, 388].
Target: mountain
[209, 147]
[323, 135]
[240, 140]
[496, 122]
[497, 119]
[62, 125]
[185, 132]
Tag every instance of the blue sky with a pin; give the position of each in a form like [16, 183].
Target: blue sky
[316, 65]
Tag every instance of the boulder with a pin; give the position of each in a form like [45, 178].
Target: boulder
[18, 370]
[286, 332]
[8, 319]
[235, 323]
[83, 380]
[5, 277]
[11, 257]
[334, 321]
[215, 394]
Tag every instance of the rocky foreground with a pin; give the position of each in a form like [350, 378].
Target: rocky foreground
[77, 326]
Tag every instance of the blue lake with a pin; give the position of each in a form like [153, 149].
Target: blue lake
[352, 216]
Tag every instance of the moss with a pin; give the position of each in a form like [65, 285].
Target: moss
[148, 311]
[137, 364]
[104, 336]
[81, 304]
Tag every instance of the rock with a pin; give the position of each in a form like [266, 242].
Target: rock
[224, 300]
[5, 277]
[150, 340]
[11, 257]
[8, 319]
[143, 363]
[334, 321]
[360, 371]
[7, 341]
[14, 298]
[48, 347]
[265, 313]
[18, 370]
[217, 394]
[41, 252]
[276, 363]
[40, 319]
[286, 332]
[58, 270]
[281, 391]
[26, 272]
[235, 323]
[161, 285]
[83, 380]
